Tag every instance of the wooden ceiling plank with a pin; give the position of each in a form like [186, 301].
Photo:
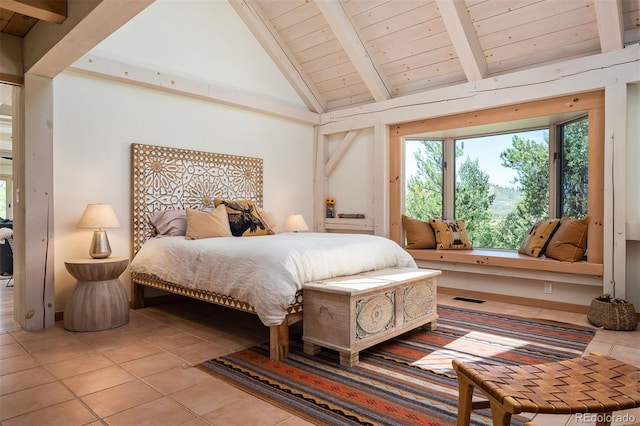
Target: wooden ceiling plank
[418, 16]
[327, 62]
[610, 26]
[355, 49]
[530, 30]
[536, 14]
[430, 44]
[305, 11]
[546, 43]
[19, 25]
[303, 28]
[277, 49]
[398, 39]
[54, 11]
[383, 12]
[464, 38]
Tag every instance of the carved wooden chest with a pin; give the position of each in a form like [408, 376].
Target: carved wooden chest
[352, 313]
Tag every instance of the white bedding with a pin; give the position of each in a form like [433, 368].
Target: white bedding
[265, 271]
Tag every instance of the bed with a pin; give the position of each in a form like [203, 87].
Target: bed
[262, 275]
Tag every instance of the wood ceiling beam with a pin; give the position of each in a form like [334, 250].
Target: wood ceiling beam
[610, 24]
[277, 49]
[50, 49]
[54, 11]
[464, 38]
[352, 44]
[171, 82]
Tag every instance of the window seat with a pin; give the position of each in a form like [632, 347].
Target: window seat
[499, 259]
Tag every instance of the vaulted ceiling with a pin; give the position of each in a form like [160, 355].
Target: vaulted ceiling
[17, 17]
[341, 53]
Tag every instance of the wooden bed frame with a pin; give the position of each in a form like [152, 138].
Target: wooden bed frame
[165, 178]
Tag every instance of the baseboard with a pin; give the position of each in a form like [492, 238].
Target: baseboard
[537, 303]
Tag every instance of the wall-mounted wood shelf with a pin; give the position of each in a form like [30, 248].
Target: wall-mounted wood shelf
[343, 224]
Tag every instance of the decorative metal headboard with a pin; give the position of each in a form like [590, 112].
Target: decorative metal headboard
[173, 179]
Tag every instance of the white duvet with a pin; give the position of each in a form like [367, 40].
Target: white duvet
[265, 271]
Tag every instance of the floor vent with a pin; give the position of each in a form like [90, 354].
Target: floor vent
[466, 299]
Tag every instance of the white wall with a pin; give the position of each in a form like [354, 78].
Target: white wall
[633, 194]
[96, 121]
[351, 183]
[203, 39]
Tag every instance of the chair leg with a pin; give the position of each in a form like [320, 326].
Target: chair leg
[500, 416]
[465, 395]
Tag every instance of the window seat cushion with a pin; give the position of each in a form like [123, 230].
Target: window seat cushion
[508, 259]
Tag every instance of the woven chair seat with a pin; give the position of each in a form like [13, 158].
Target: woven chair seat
[588, 384]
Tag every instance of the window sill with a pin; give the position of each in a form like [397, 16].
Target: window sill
[498, 259]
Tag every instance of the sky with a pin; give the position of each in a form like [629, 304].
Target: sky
[487, 150]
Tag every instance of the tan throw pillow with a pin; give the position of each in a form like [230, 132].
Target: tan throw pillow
[569, 242]
[538, 237]
[451, 234]
[244, 219]
[419, 234]
[207, 224]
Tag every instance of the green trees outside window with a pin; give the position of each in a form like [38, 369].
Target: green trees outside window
[501, 184]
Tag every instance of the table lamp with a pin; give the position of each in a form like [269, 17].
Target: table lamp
[295, 223]
[99, 217]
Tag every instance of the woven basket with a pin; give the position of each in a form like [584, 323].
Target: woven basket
[612, 314]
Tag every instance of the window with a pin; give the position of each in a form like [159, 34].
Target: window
[573, 167]
[424, 172]
[500, 183]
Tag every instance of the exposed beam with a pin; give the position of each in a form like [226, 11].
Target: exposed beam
[277, 49]
[342, 148]
[610, 25]
[50, 49]
[188, 86]
[54, 11]
[352, 44]
[463, 36]
[552, 80]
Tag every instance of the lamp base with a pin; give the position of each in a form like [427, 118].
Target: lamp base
[100, 248]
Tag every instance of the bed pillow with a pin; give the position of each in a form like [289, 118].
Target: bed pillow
[269, 220]
[418, 233]
[207, 224]
[170, 223]
[536, 241]
[569, 242]
[451, 234]
[244, 219]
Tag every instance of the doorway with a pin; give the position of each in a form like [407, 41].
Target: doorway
[6, 206]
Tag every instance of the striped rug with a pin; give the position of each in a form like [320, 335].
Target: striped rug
[407, 380]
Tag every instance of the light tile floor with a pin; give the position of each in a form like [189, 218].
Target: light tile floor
[142, 373]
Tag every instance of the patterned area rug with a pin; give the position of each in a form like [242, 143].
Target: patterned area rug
[407, 380]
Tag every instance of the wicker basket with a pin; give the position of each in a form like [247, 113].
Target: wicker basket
[612, 314]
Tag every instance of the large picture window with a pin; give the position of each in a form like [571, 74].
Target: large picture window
[502, 183]
[502, 168]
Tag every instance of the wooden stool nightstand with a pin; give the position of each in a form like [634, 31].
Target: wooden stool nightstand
[99, 301]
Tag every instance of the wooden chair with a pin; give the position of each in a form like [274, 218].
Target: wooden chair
[588, 384]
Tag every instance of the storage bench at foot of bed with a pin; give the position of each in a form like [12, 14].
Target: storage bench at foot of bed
[349, 314]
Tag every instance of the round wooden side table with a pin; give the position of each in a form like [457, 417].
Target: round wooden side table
[99, 301]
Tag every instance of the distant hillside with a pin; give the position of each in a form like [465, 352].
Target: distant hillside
[505, 201]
